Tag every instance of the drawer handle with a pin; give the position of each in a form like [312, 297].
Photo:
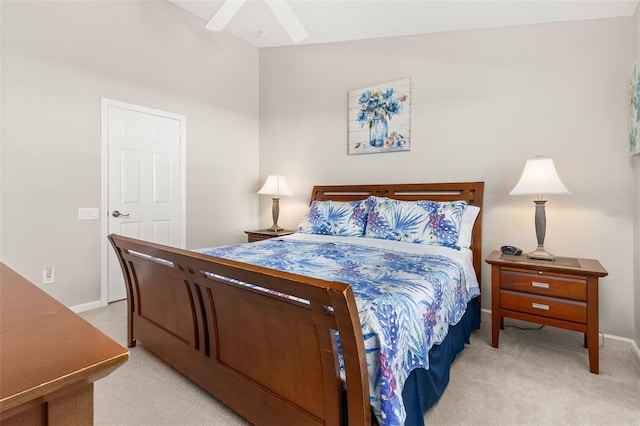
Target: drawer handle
[539, 284]
[540, 306]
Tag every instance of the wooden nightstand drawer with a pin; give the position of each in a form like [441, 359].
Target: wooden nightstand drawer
[258, 237]
[264, 234]
[544, 306]
[564, 287]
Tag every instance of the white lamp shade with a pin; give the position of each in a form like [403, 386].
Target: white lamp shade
[275, 185]
[539, 177]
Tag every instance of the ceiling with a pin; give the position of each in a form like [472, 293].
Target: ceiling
[341, 20]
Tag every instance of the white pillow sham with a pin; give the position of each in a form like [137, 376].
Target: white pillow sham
[469, 216]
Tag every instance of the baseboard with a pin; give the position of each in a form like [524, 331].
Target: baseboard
[634, 345]
[85, 307]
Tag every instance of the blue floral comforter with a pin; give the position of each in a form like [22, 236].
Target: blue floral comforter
[406, 301]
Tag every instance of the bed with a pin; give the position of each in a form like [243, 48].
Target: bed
[289, 346]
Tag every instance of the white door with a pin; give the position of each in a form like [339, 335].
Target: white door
[145, 181]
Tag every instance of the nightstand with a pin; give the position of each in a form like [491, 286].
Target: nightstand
[562, 293]
[263, 234]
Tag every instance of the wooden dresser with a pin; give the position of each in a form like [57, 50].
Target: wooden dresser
[562, 293]
[49, 357]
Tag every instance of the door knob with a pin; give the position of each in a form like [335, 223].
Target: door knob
[116, 213]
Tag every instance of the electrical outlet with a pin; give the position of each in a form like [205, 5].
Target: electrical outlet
[48, 275]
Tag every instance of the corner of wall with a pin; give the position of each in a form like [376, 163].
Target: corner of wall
[636, 202]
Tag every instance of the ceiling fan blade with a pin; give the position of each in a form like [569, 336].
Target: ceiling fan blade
[224, 15]
[288, 19]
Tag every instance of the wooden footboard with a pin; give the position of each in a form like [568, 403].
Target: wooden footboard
[271, 359]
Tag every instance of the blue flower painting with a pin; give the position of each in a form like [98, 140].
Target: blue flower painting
[380, 118]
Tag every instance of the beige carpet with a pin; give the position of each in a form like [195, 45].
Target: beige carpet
[535, 378]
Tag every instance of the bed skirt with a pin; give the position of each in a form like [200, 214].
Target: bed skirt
[423, 388]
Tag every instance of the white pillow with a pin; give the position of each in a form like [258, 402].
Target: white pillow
[469, 216]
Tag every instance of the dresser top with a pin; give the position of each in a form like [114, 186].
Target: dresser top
[45, 346]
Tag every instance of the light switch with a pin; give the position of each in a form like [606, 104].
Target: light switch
[87, 213]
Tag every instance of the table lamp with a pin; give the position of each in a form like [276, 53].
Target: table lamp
[276, 186]
[540, 177]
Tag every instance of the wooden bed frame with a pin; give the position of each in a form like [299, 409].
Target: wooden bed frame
[271, 359]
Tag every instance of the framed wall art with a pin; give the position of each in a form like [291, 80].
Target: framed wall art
[634, 118]
[380, 118]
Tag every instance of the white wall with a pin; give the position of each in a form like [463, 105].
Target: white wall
[483, 103]
[58, 60]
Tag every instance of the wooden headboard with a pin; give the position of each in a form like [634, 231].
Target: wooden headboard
[471, 192]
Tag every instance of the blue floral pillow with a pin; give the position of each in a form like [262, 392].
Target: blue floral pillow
[346, 219]
[423, 222]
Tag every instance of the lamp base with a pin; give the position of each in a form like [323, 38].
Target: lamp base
[541, 254]
[541, 227]
[275, 212]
